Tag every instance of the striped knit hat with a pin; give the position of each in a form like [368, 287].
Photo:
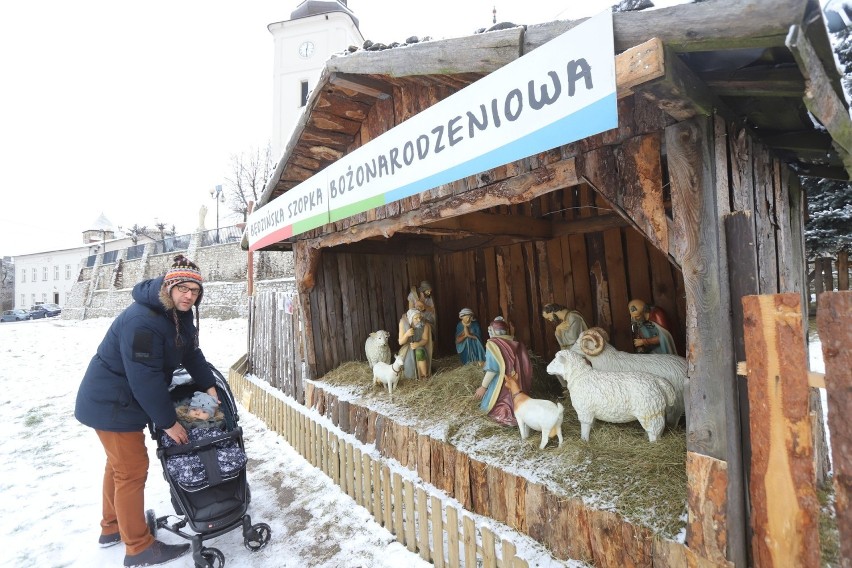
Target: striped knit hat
[182, 270]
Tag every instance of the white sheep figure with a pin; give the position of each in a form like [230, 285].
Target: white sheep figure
[376, 348]
[612, 396]
[388, 374]
[536, 414]
[593, 343]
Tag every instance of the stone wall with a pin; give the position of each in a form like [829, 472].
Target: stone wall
[105, 290]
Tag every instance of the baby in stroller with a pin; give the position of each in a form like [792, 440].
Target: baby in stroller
[202, 419]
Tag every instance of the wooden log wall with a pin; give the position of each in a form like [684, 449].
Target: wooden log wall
[276, 341]
[595, 273]
[356, 294]
[448, 535]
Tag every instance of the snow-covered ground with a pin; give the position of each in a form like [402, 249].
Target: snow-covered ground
[50, 486]
[51, 481]
[52, 468]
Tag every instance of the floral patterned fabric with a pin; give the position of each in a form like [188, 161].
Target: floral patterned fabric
[188, 469]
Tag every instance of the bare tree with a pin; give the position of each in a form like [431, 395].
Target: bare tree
[250, 171]
[7, 272]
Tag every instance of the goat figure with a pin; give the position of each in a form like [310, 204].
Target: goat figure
[536, 414]
[388, 374]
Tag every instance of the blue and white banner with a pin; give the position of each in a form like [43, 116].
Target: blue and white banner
[561, 92]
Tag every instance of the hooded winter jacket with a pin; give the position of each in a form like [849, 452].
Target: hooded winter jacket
[126, 385]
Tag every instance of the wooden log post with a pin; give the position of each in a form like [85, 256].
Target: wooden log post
[712, 425]
[834, 321]
[784, 507]
[742, 279]
[843, 270]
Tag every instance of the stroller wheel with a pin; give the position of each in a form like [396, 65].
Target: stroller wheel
[213, 558]
[151, 521]
[257, 536]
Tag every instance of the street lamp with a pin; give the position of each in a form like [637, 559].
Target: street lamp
[219, 195]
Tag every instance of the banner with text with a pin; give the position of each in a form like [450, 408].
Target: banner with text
[561, 92]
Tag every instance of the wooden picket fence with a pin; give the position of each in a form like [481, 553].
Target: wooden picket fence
[443, 535]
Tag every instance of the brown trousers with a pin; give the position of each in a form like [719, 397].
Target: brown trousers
[124, 489]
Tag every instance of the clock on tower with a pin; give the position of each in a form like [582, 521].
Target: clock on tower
[306, 49]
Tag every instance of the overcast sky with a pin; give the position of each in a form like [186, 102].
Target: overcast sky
[133, 109]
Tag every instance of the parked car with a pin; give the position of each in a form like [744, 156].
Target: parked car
[37, 314]
[16, 315]
[49, 310]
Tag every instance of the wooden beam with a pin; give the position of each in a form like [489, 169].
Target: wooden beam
[406, 247]
[745, 23]
[479, 53]
[490, 224]
[680, 93]
[755, 82]
[817, 142]
[518, 189]
[708, 330]
[784, 506]
[361, 84]
[585, 225]
[639, 64]
[820, 99]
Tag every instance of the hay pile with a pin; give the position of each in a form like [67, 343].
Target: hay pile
[617, 470]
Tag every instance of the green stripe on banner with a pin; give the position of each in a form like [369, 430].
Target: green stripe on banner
[310, 223]
[357, 207]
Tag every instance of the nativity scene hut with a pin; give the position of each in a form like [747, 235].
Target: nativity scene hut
[689, 200]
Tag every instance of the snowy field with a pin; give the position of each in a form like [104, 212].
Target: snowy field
[53, 466]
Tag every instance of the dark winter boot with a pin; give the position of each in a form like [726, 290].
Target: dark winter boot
[107, 540]
[157, 553]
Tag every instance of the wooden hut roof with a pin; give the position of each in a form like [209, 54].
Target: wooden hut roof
[765, 63]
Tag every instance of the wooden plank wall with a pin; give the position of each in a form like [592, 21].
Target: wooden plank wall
[357, 294]
[517, 281]
[276, 342]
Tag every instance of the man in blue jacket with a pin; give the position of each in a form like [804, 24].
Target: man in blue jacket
[126, 387]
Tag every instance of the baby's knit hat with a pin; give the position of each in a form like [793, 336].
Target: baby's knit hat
[203, 401]
[182, 270]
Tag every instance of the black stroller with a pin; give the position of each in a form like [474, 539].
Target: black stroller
[218, 503]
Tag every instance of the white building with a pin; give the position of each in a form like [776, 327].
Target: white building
[316, 30]
[49, 276]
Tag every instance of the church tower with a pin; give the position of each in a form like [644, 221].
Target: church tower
[316, 30]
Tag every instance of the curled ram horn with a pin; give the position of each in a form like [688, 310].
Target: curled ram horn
[592, 340]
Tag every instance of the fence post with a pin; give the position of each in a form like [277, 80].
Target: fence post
[469, 531]
[453, 537]
[423, 524]
[784, 506]
[437, 533]
[834, 321]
